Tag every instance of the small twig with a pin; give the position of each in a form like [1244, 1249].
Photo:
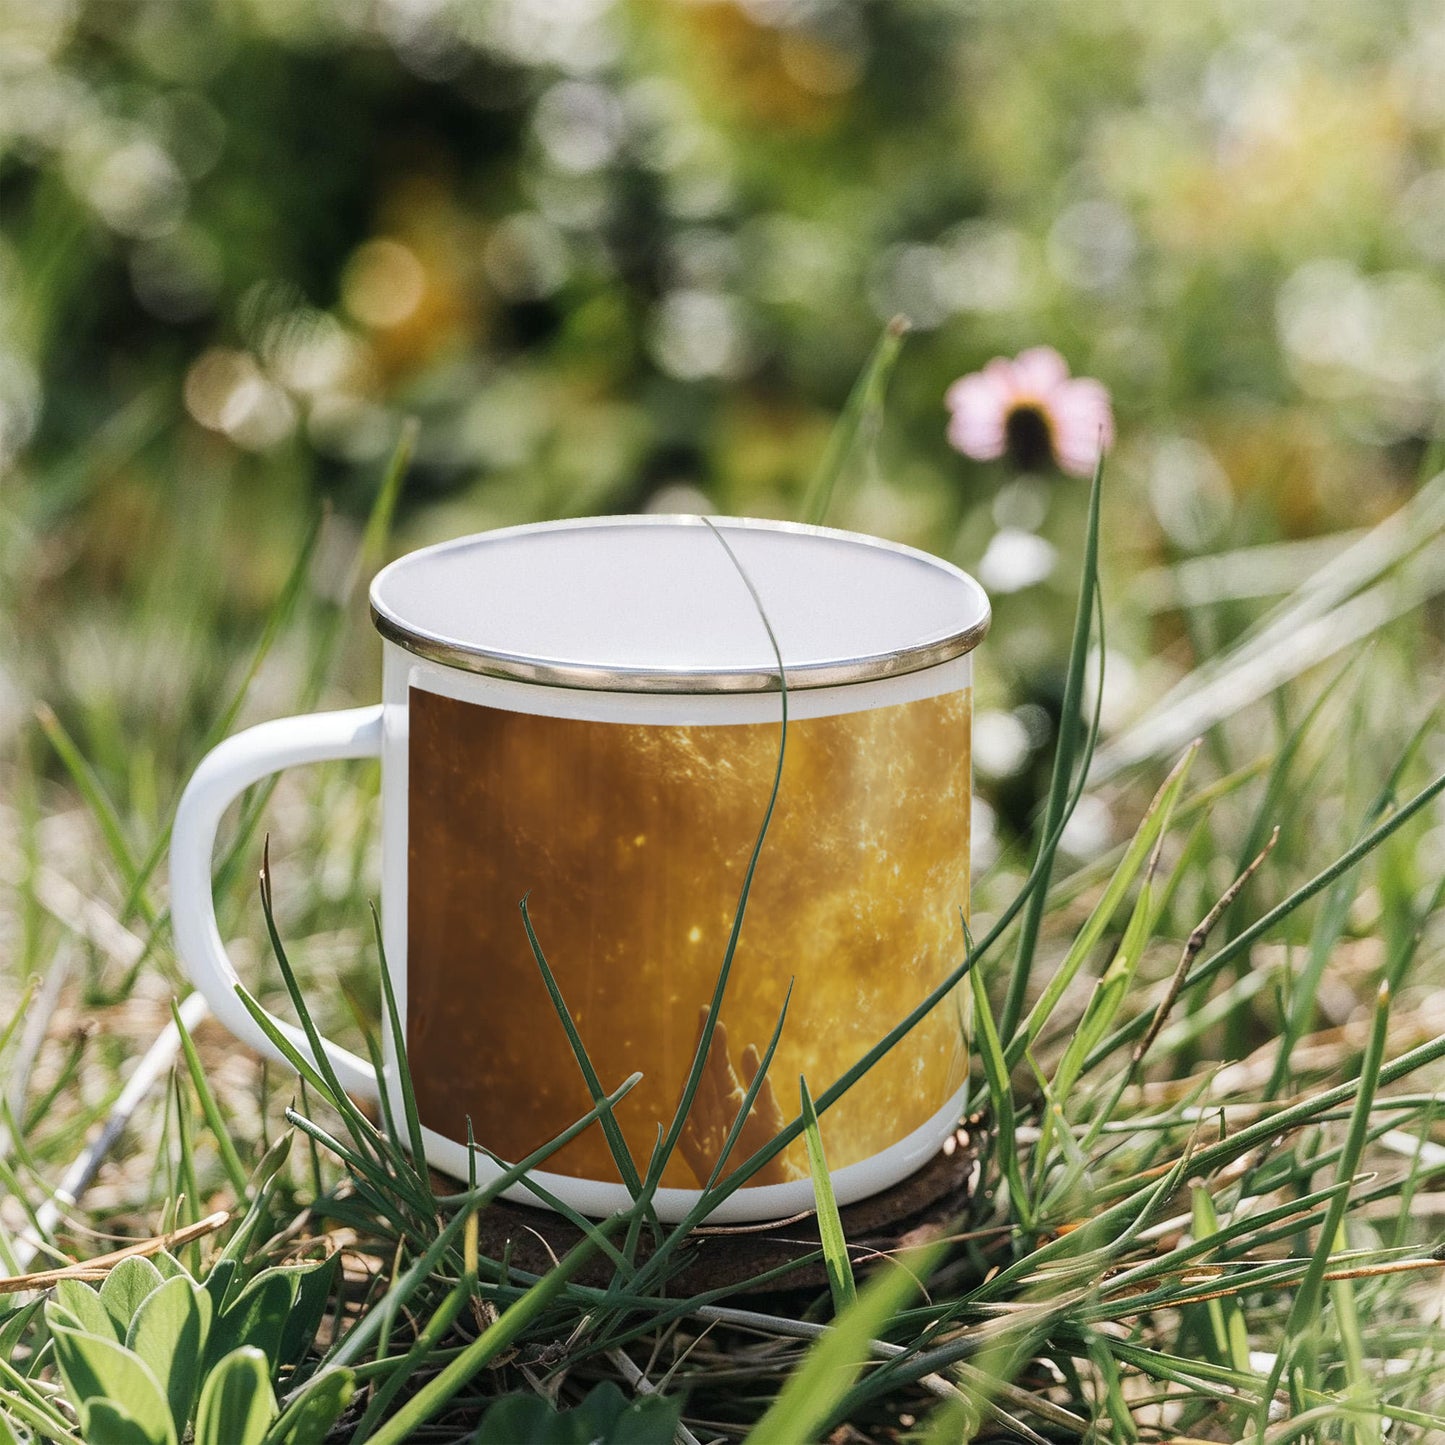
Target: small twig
[98, 1268]
[1369, 1271]
[631, 1372]
[765, 1227]
[1193, 946]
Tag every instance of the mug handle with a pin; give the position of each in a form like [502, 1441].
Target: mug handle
[226, 772]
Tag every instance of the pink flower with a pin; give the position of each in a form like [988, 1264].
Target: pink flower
[1033, 410]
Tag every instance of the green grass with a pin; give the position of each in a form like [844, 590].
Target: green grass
[1204, 1205]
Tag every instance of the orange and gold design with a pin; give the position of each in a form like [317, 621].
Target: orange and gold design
[631, 842]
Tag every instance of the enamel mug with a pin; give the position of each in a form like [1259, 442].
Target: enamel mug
[588, 714]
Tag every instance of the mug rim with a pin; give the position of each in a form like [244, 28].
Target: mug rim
[551, 672]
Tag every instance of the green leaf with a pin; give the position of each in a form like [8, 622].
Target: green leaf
[126, 1287]
[312, 1414]
[864, 408]
[605, 1417]
[230, 1160]
[15, 1325]
[812, 1392]
[237, 1403]
[522, 1417]
[95, 1367]
[1058, 803]
[1000, 1097]
[169, 1333]
[168, 1265]
[257, 1319]
[109, 1423]
[218, 1283]
[830, 1226]
[83, 1304]
[652, 1420]
[314, 1283]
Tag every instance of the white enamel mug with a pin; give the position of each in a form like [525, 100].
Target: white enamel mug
[588, 713]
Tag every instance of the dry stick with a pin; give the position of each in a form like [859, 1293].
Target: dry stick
[99, 1267]
[765, 1226]
[1369, 1271]
[1193, 947]
[81, 1174]
[632, 1373]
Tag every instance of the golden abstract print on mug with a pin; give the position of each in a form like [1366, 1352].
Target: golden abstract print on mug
[632, 842]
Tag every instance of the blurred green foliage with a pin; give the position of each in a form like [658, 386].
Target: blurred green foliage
[619, 253]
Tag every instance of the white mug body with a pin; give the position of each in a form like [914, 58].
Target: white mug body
[406, 675]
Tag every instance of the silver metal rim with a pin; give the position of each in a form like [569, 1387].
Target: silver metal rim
[556, 673]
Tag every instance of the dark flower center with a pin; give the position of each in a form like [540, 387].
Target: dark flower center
[1028, 436]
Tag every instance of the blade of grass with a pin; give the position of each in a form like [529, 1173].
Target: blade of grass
[1312, 624]
[810, 1395]
[1155, 821]
[864, 406]
[430, 1337]
[508, 1327]
[1276, 787]
[230, 1159]
[1001, 1101]
[1193, 947]
[277, 619]
[403, 1068]
[1113, 986]
[321, 1076]
[663, 1153]
[1305, 1307]
[1333, 918]
[583, 1225]
[375, 1057]
[745, 1109]
[366, 1328]
[92, 790]
[188, 1207]
[1365, 1429]
[1228, 952]
[379, 519]
[1226, 1319]
[1065, 757]
[621, 1154]
[830, 1226]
